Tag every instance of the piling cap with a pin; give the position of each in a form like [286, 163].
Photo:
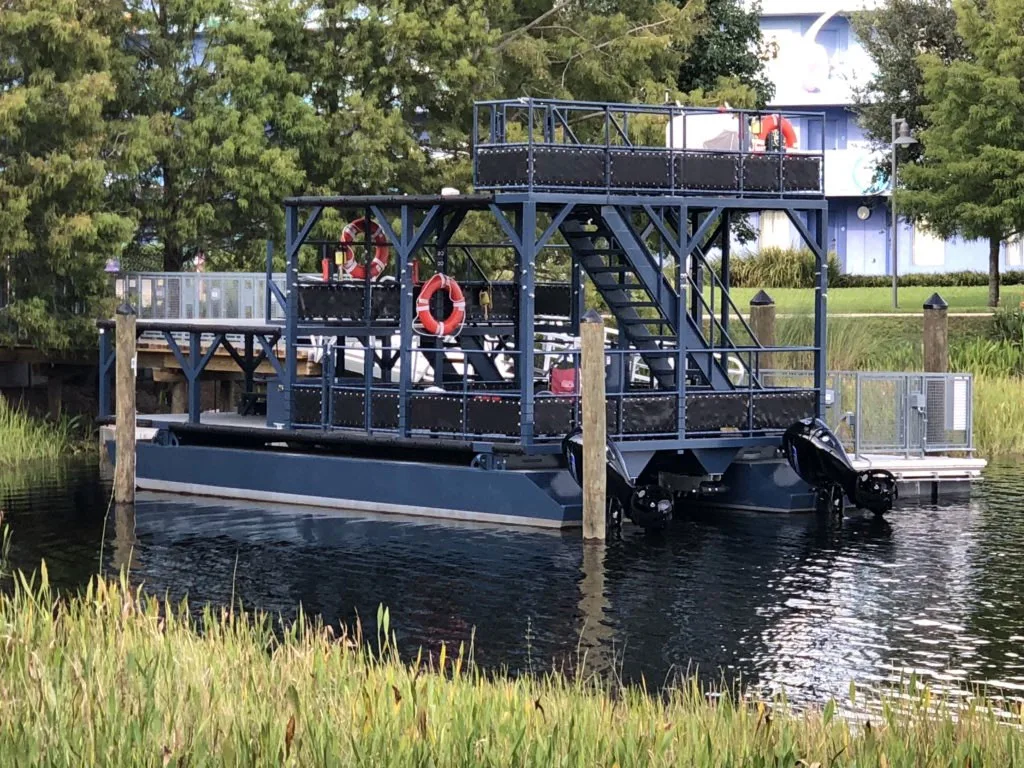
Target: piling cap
[762, 299]
[592, 316]
[936, 302]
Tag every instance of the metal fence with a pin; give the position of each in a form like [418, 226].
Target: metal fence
[200, 295]
[909, 414]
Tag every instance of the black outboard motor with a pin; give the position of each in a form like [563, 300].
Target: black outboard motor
[820, 460]
[648, 506]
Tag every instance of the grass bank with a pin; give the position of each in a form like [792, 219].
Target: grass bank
[970, 298]
[26, 438]
[109, 678]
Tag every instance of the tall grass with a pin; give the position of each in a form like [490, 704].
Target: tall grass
[999, 415]
[777, 268]
[112, 678]
[852, 345]
[24, 438]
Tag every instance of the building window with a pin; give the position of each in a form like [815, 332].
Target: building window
[928, 250]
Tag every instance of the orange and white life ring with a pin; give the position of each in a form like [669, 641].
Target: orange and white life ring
[779, 123]
[431, 324]
[350, 236]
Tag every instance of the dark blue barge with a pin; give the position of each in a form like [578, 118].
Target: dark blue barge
[444, 332]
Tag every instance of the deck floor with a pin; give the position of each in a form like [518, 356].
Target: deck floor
[904, 467]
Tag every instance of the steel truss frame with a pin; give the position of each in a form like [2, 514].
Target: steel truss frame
[685, 227]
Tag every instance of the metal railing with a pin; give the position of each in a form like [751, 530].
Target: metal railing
[554, 144]
[232, 296]
[902, 413]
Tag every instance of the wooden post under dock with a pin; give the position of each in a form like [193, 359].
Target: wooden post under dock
[595, 479]
[936, 335]
[936, 360]
[124, 431]
[762, 323]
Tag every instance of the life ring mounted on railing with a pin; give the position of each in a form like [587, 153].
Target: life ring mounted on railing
[352, 235]
[781, 124]
[451, 324]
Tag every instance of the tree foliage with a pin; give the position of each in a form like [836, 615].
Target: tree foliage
[56, 227]
[968, 181]
[209, 109]
[159, 130]
[894, 35]
[730, 52]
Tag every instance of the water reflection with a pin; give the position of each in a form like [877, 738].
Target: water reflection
[795, 601]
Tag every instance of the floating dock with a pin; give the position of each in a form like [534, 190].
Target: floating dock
[440, 334]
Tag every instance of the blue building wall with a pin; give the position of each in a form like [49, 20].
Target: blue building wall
[818, 75]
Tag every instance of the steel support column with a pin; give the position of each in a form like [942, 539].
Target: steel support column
[527, 276]
[406, 310]
[682, 235]
[821, 310]
[725, 271]
[291, 226]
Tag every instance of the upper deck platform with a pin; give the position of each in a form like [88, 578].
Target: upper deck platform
[562, 146]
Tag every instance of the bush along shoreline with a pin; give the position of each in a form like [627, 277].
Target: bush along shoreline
[26, 438]
[773, 267]
[114, 678]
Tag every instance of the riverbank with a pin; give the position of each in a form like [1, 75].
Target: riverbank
[24, 437]
[109, 677]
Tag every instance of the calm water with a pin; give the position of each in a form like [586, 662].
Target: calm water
[795, 601]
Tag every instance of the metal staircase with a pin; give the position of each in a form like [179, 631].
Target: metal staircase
[644, 302]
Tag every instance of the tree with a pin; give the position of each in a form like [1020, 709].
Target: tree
[392, 84]
[894, 36]
[968, 181]
[731, 51]
[209, 112]
[56, 229]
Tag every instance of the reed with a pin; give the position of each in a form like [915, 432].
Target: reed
[110, 677]
[998, 416]
[24, 438]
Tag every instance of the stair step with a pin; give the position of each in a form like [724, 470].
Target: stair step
[619, 270]
[656, 337]
[633, 305]
[642, 321]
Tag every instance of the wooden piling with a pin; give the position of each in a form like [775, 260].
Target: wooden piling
[935, 327]
[179, 396]
[762, 323]
[595, 479]
[936, 335]
[124, 467]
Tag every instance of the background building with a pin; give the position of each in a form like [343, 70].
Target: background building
[819, 61]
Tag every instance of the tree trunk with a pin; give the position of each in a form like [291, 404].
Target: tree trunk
[993, 271]
[173, 257]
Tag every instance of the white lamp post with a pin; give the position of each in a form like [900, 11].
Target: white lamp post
[903, 139]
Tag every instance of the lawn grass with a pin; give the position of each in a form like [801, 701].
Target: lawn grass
[111, 678]
[879, 300]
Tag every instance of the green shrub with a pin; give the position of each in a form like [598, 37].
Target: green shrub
[1008, 326]
[927, 280]
[776, 268]
[794, 268]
